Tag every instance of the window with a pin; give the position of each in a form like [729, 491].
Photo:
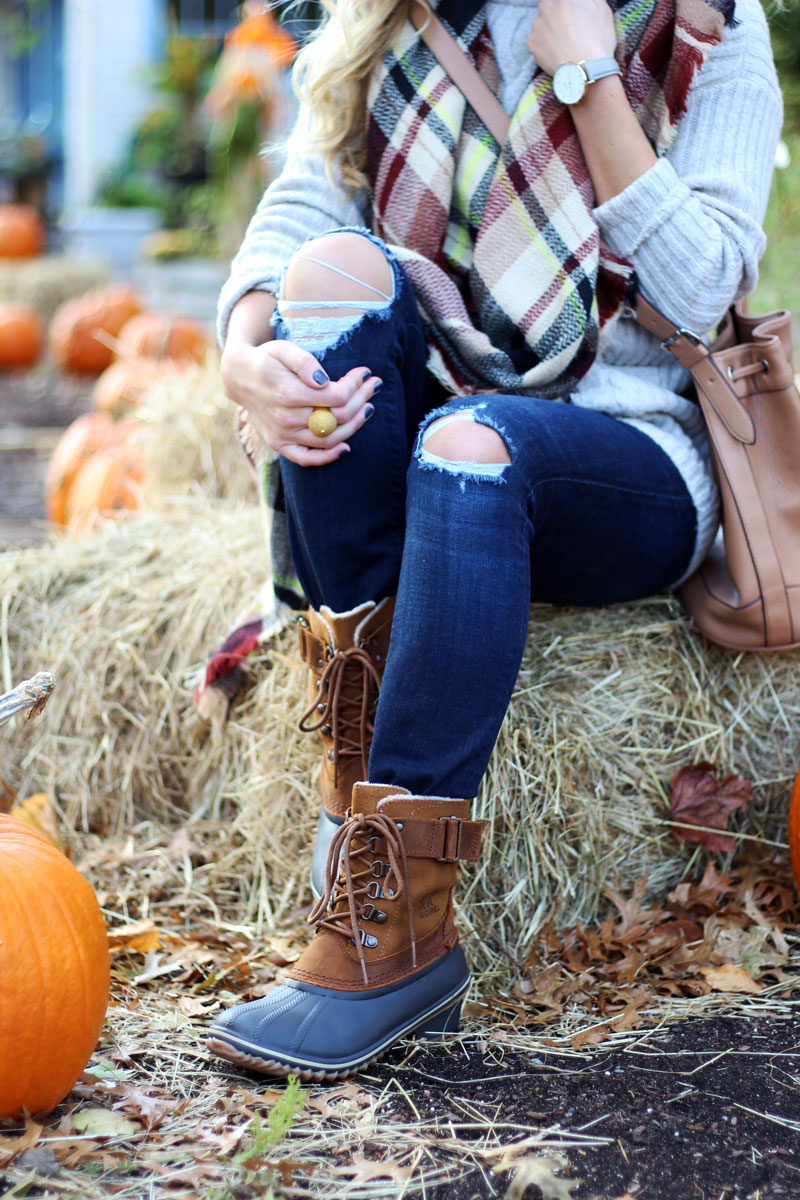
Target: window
[214, 17]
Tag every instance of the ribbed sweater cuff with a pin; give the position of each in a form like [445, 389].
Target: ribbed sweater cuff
[232, 292]
[642, 209]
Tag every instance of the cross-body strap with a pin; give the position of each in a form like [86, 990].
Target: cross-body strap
[463, 74]
[691, 352]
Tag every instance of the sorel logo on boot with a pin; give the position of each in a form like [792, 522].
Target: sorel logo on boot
[427, 908]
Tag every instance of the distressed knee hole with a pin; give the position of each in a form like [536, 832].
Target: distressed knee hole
[337, 267]
[460, 439]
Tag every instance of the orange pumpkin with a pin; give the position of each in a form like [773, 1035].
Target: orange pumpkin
[118, 302]
[79, 442]
[794, 830]
[109, 482]
[54, 971]
[22, 232]
[121, 386]
[151, 336]
[74, 341]
[21, 334]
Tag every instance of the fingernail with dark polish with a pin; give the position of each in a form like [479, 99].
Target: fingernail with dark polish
[368, 411]
[343, 453]
[320, 377]
[377, 388]
[366, 376]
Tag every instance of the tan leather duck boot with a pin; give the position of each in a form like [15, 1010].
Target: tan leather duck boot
[385, 960]
[346, 656]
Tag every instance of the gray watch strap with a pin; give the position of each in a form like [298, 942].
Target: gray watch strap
[599, 68]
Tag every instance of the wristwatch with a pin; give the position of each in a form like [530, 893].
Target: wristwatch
[571, 79]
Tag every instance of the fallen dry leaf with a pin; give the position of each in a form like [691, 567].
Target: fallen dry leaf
[140, 936]
[190, 1006]
[285, 1166]
[363, 1169]
[38, 812]
[336, 1102]
[534, 1171]
[100, 1122]
[40, 1159]
[700, 797]
[11, 1147]
[730, 978]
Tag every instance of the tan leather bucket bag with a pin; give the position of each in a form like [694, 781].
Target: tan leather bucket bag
[746, 594]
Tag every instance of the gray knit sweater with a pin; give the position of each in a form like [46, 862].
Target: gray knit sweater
[691, 225]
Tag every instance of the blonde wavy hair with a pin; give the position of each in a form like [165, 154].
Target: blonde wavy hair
[332, 72]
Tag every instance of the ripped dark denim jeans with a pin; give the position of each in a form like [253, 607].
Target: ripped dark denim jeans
[589, 511]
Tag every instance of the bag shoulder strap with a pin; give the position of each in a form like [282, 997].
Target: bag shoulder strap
[463, 74]
[713, 387]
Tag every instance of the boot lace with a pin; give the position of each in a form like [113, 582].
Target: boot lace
[354, 841]
[348, 717]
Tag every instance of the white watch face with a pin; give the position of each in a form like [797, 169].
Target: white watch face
[569, 83]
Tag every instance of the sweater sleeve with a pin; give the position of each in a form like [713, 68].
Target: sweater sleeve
[301, 203]
[691, 224]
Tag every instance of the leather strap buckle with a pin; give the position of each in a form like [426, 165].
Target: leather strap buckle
[450, 853]
[679, 333]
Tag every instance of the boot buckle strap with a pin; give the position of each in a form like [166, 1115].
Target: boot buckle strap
[312, 648]
[445, 839]
[451, 842]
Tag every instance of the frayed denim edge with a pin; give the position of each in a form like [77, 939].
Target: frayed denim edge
[279, 323]
[480, 472]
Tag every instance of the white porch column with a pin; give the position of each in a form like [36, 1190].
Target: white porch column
[107, 45]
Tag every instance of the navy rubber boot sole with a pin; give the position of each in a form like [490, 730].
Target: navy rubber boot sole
[323, 1034]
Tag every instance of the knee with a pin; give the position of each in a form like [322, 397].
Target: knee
[465, 441]
[338, 266]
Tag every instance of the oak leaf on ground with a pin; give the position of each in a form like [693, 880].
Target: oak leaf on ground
[700, 797]
[730, 978]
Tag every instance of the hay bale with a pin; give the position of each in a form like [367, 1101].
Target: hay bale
[608, 705]
[186, 432]
[47, 281]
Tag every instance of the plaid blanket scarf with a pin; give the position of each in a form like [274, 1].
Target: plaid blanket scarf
[500, 242]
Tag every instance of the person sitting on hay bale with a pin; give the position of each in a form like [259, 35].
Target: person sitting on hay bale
[430, 485]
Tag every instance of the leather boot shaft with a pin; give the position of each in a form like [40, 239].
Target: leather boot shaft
[389, 913]
[346, 656]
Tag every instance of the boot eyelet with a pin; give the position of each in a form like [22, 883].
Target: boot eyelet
[375, 891]
[379, 869]
[330, 756]
[370, 913]
[327, 730]
[367, 939]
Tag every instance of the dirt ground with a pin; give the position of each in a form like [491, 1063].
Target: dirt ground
[705, 1109]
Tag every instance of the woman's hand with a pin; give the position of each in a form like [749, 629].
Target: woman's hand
[278, 385]
[571, 31]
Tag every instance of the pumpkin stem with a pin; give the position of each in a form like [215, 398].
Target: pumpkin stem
[31, 694]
